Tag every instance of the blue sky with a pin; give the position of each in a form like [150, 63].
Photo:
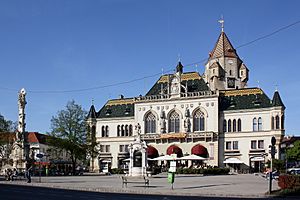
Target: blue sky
[67, 45]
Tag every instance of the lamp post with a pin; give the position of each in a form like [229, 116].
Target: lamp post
[273, 151]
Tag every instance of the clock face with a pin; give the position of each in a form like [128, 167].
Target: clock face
[231, 82]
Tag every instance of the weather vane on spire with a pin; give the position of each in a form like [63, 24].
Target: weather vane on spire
[179, 58]
[221, 21]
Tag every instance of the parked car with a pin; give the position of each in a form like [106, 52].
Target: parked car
[295, 171]
[275, 175]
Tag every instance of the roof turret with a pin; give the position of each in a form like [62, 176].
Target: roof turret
[92, 113]
[223, 48]
[277, 100]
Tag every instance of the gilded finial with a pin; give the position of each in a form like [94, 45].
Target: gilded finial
[221, 21]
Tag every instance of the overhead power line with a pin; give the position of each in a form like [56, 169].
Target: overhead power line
[153, 75]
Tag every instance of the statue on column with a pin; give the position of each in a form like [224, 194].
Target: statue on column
[187, 122]
[21, 149]
[138, 132]
[162, 122]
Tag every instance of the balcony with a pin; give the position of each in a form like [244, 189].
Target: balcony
[203, 136]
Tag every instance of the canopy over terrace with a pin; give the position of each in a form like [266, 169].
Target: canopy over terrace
[192, 157]
[232, 161]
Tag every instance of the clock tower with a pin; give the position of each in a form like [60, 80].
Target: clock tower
[224, 69]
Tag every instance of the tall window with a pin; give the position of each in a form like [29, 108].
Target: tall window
[122, 131]
[229, 125]
[174, 122]
[126, 130]
[235, 145]
[118, 130]
[198, 121]
[239, 125]
[103, 131]
[253, 144]
[272, 123]
[106, 131]
[224, 126]
[255, 124]
[228, 145]
[282, 122]
[150, 123]
[260, 144]
[259, 124]
[130, 130]
[277, 122]
[234, 125]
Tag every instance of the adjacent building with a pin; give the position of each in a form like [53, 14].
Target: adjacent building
[213, 115]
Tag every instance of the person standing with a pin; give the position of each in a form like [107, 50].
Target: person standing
[28, 173]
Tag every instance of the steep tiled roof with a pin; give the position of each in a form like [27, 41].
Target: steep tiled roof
[193, 80]
[251, 98]
[117, 108]
[35, 137]
[223, 47]
[277, 100]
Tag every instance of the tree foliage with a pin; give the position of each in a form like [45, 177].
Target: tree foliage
[6, 125]
[69, 131]
[293, 153]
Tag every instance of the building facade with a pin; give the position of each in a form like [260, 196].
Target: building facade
[214, 115]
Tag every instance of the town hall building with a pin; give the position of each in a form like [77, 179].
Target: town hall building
[214, 115]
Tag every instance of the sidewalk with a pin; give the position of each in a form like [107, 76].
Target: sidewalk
[244, 185]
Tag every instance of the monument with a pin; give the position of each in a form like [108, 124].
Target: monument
[138, 155]
[20, 150]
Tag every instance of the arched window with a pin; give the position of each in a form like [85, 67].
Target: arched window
[259, 124]
[174, 122]
[150, 123]
[230, 72]
[122, 131]
[118, 130]
[93, 133]
[198, 119]
[126, 130]
[234, 125]
[229, 125]
[282, 122]
[103, 131]
[130, 130]
[224, 126]
[106, 131]
[277, 122]
[255, 124]
[272, 123]
[239, 125]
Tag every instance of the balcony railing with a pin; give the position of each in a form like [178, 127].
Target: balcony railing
[168, 96]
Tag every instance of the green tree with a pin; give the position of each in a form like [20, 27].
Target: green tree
[293, 153]
[69, 132]
[6, 125]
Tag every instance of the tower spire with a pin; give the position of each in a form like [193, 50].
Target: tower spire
[222, 21]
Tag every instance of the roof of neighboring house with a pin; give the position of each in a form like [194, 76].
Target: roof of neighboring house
[35, 137]
[7, 136]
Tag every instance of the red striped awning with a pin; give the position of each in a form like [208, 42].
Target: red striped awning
[173, 149]
[199, 150]
[152, 152]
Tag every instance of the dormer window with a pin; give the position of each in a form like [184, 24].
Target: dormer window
[127, 111]
[108, 112]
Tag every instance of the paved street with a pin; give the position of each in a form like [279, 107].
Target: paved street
[14, 192]
[244, 185]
